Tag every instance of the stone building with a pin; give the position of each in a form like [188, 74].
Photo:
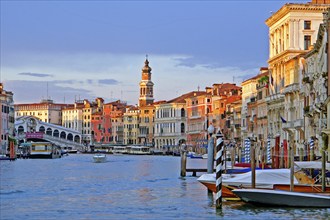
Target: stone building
[292, 30]
[6, 118]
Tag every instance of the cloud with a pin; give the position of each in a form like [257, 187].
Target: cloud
[117, 76]
[108, 81]
[34, 91]
[35, 74]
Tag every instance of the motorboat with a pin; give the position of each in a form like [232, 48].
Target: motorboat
[283, 198]
[100, 158]
[265, 179]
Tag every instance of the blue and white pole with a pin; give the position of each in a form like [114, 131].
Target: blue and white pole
[219, 167]
[247, 150]
[269, 158]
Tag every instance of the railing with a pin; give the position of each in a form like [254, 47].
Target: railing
[274, 97]
[298, 123]
[287, 125]
[294, 87]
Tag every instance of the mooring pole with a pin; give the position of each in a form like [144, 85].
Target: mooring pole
[210, 150]
[183, 160]
[253, 164]
[219, 167]
[324, 148]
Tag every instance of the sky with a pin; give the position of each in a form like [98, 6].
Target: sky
[70, 50]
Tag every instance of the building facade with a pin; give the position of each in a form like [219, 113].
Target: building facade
[292, 30]
[7, 120]
[47, 111]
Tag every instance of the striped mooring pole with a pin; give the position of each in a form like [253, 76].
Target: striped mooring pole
[247, 150]
[219, 167]
[269, 158]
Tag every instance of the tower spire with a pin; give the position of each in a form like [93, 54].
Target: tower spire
[146, 85]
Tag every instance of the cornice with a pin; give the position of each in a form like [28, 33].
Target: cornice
[290, 7]
[285, 56]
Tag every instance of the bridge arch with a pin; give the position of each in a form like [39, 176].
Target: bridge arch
[56, 133]
[42, 129]
[49, 131]
[63, 135]
[20, 129]
[70, 137]
[77, 138]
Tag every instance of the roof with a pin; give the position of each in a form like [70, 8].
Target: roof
[257, 76]
[181, 99]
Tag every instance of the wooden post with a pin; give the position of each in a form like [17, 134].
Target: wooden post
[12, 153]
[324, 148]
[183, 160]
[301, 154]
[253, 165]
[210, 155]
[219, 167]
[292, 166]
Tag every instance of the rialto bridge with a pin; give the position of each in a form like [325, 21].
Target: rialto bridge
[31, 127]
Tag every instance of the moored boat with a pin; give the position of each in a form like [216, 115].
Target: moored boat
[46, 150]
[265, 179]
[283, 198]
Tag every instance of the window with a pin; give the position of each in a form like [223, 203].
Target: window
[307, 42]
[307, 25]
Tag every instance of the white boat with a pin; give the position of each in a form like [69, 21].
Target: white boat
[139, 150]
[205, 156]
[119, 150]
[100, 158]
[264, 179]
[283, 198]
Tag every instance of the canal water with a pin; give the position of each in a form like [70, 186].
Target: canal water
[125, 187]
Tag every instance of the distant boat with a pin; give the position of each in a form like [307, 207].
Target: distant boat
[283, 198]
[138, 150]
[204, 156]
[100, 158]
[196, 156]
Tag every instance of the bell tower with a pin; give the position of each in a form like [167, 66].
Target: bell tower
[146, 85]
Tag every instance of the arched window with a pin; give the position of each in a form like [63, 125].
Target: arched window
[42, 129]
[183, 113]
[49, 131]
[182, 128]
[20, 129]
[56, 133]
[70, 137]
[63, 135]
[77, 139]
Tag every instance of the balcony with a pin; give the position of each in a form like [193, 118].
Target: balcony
[195, 117]
[298, 123]
[276, 97]
[142, 135]
[288, 125]
[294, 87]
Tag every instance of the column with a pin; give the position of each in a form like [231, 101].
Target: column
[291, 34]
[296, 35]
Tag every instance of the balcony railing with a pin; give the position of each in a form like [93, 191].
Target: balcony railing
[274, 97]
[294, 87]
[287, 125]
[298, 123]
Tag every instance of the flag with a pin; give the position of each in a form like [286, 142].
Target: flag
[283, 120]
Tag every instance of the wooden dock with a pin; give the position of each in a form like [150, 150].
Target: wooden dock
[194, 171]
